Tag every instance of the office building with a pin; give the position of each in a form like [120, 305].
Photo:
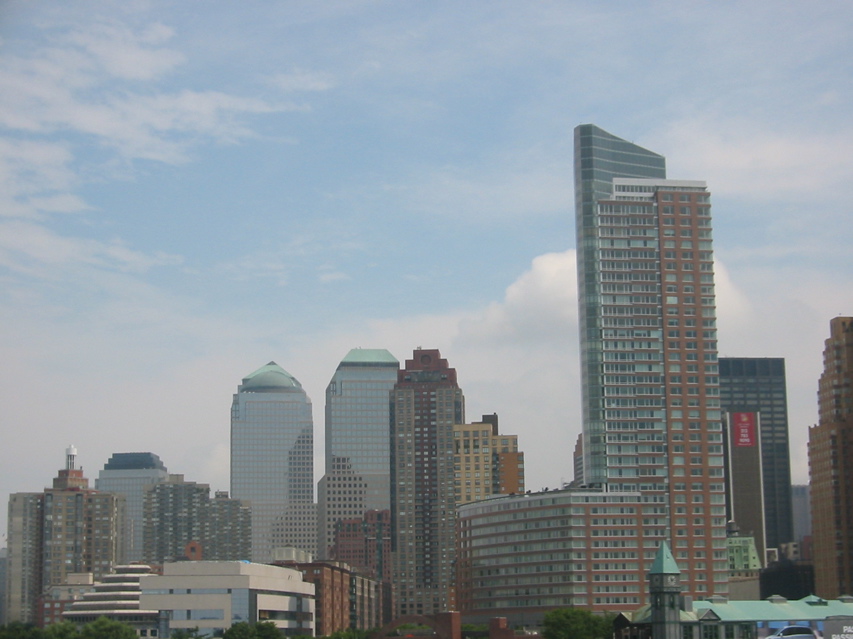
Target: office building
[183, 522]
[357, 473]
[802, 513]
[4, 562]
[129, 474]
[757, 385]
[214, 595]
[272, 460]
[652, 423]
[426, 404]
[745, 478]
[69, 528]
[831, 466]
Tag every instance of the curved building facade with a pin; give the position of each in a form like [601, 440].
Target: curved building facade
[520, 556]
[272, 460]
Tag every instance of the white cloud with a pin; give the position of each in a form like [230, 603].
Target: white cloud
[126, 54]
[36, 177]
[37, 250]
[300, 80]
[527, 183]
[333, 276]
[757, 160]
[58, 90]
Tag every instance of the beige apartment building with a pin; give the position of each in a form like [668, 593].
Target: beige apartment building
[68, 528]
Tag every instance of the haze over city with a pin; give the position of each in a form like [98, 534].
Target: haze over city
[189, 191]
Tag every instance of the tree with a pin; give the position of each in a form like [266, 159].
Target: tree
[18, 630]
[350, 633]
[266, 630]
[240, 630]
[187, 633]
[103, 628]
[260, 630]
[62, 630]
[576, 623]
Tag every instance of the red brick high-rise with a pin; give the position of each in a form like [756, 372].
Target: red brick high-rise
[365, 543]
[426, 403]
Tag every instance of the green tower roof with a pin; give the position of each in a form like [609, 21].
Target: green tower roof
[269, 379]
[371, 357]
[664, 562]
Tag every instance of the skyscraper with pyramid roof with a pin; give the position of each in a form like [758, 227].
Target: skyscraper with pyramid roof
[272, 460]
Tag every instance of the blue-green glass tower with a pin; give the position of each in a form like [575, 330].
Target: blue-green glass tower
[599, 157]
[358, 441]
[272, 460]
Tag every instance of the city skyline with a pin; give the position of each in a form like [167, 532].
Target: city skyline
[177, 208]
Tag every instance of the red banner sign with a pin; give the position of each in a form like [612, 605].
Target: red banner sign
[743, 429]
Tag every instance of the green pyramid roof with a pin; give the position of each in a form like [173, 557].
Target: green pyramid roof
[664, 562]
[270, 378]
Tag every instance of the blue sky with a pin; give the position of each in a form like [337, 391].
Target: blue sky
[190, 190]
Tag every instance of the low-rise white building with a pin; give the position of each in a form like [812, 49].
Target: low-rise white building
[214, 595]
[116, 597]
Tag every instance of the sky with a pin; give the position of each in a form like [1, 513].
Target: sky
[191, 190]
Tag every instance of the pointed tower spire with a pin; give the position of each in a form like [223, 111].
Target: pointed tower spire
[665, 563]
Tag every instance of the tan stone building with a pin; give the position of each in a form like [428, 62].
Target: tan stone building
[486, 463]
[831, 466]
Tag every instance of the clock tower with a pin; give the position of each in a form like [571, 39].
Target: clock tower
[665, 591]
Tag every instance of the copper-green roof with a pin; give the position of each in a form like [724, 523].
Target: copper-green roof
[773, 609]
[270, 378]
[664, 562]
[370, 356]
[777, 609]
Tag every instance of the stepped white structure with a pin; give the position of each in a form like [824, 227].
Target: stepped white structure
[117, 597]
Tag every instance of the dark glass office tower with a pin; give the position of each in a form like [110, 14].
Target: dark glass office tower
[130, 474]
[757, 384]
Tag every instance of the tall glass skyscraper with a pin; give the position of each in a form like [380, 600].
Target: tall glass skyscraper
[272, 460]
[358, 455]
[599, 157]
[757, 384]
[652, 424]
[129, 474]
